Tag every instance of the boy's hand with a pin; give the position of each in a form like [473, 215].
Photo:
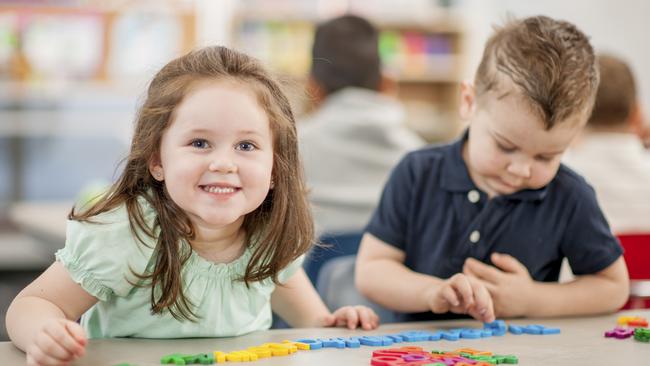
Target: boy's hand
[509, 283]
[353, 316]
[59, 342]
[462, 294]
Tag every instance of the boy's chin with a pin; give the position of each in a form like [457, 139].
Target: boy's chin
[501, 189]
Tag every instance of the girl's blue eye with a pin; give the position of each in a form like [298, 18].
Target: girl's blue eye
[246, 146]
[199, 143]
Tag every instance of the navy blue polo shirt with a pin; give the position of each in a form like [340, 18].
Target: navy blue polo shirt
[433, 211]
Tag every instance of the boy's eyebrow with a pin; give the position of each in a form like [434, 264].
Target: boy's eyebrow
[496, 134]
[501, 137]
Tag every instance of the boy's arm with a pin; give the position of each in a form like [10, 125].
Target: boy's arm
[516, 294]
[53, 295]
[381, 276]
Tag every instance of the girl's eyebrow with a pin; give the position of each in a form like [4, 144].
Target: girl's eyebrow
[250, 132]
[209, 131]
[199, 131]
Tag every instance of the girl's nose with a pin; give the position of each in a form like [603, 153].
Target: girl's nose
[223, 166]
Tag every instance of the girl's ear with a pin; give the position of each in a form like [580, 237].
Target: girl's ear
[156, 170]
[467, 99]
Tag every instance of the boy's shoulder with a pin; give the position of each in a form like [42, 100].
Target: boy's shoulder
[433, 153]
[570, 183]
[435, 160]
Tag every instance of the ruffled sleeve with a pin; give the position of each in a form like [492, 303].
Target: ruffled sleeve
[102, 256]
[288, 271]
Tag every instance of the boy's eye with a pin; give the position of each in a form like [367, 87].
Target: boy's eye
[506, 149]
[544, 158]
[246, 146]
[199, 143]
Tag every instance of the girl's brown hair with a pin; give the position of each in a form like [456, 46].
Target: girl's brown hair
[280, 230]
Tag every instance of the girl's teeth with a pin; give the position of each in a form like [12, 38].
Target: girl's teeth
[219, 190]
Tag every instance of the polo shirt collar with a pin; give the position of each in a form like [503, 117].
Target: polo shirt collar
[455, 175]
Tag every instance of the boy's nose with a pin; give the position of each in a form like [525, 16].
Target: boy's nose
[519, 169]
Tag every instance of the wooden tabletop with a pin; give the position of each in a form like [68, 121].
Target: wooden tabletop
[580, 342]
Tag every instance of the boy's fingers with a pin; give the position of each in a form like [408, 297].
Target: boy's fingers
[484, 304]
[463, 286]
[450, 297]
[482, 270]
[508, 263]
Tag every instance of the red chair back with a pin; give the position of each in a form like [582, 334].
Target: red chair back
[637, 255]
[637, 258]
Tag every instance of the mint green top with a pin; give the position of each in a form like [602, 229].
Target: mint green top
[99, 255]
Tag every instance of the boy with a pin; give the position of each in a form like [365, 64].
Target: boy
[481, 226]
[353, 138]
[610, 154]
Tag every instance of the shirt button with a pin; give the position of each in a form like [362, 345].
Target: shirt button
[474, 236]
[473, 196]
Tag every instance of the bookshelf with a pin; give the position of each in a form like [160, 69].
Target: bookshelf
[72, 70]
[423, 55]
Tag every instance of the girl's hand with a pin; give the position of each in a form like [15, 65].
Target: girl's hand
[353, 316]
[508, 281]
[58, 343]
[462, 294]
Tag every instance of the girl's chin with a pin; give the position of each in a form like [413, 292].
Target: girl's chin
[214, 222]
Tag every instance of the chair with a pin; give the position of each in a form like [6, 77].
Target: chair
[637, 258]
[336, 287]
[336, 245]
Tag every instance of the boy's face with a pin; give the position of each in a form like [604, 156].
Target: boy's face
[509, 149]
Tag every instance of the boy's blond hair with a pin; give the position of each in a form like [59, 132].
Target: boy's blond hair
[616, 96]
[551, 63]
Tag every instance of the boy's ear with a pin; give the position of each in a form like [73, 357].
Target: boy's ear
[636, 119]
[467, 99]
[156, 169]
[388, 85]
[315, 91]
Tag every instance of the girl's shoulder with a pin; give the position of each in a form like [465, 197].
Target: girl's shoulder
[114, 222]
[101, 253]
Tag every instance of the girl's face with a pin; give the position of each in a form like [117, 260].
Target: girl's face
[216, 157]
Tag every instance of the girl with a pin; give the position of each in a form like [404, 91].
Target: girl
[209, 215]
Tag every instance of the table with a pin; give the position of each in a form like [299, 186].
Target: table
[580, 343]
[45, 220]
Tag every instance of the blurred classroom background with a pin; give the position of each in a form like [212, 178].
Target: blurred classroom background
[72, 73]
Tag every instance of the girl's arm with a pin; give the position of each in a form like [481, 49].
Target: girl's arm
[298, 303]
[46, 311]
